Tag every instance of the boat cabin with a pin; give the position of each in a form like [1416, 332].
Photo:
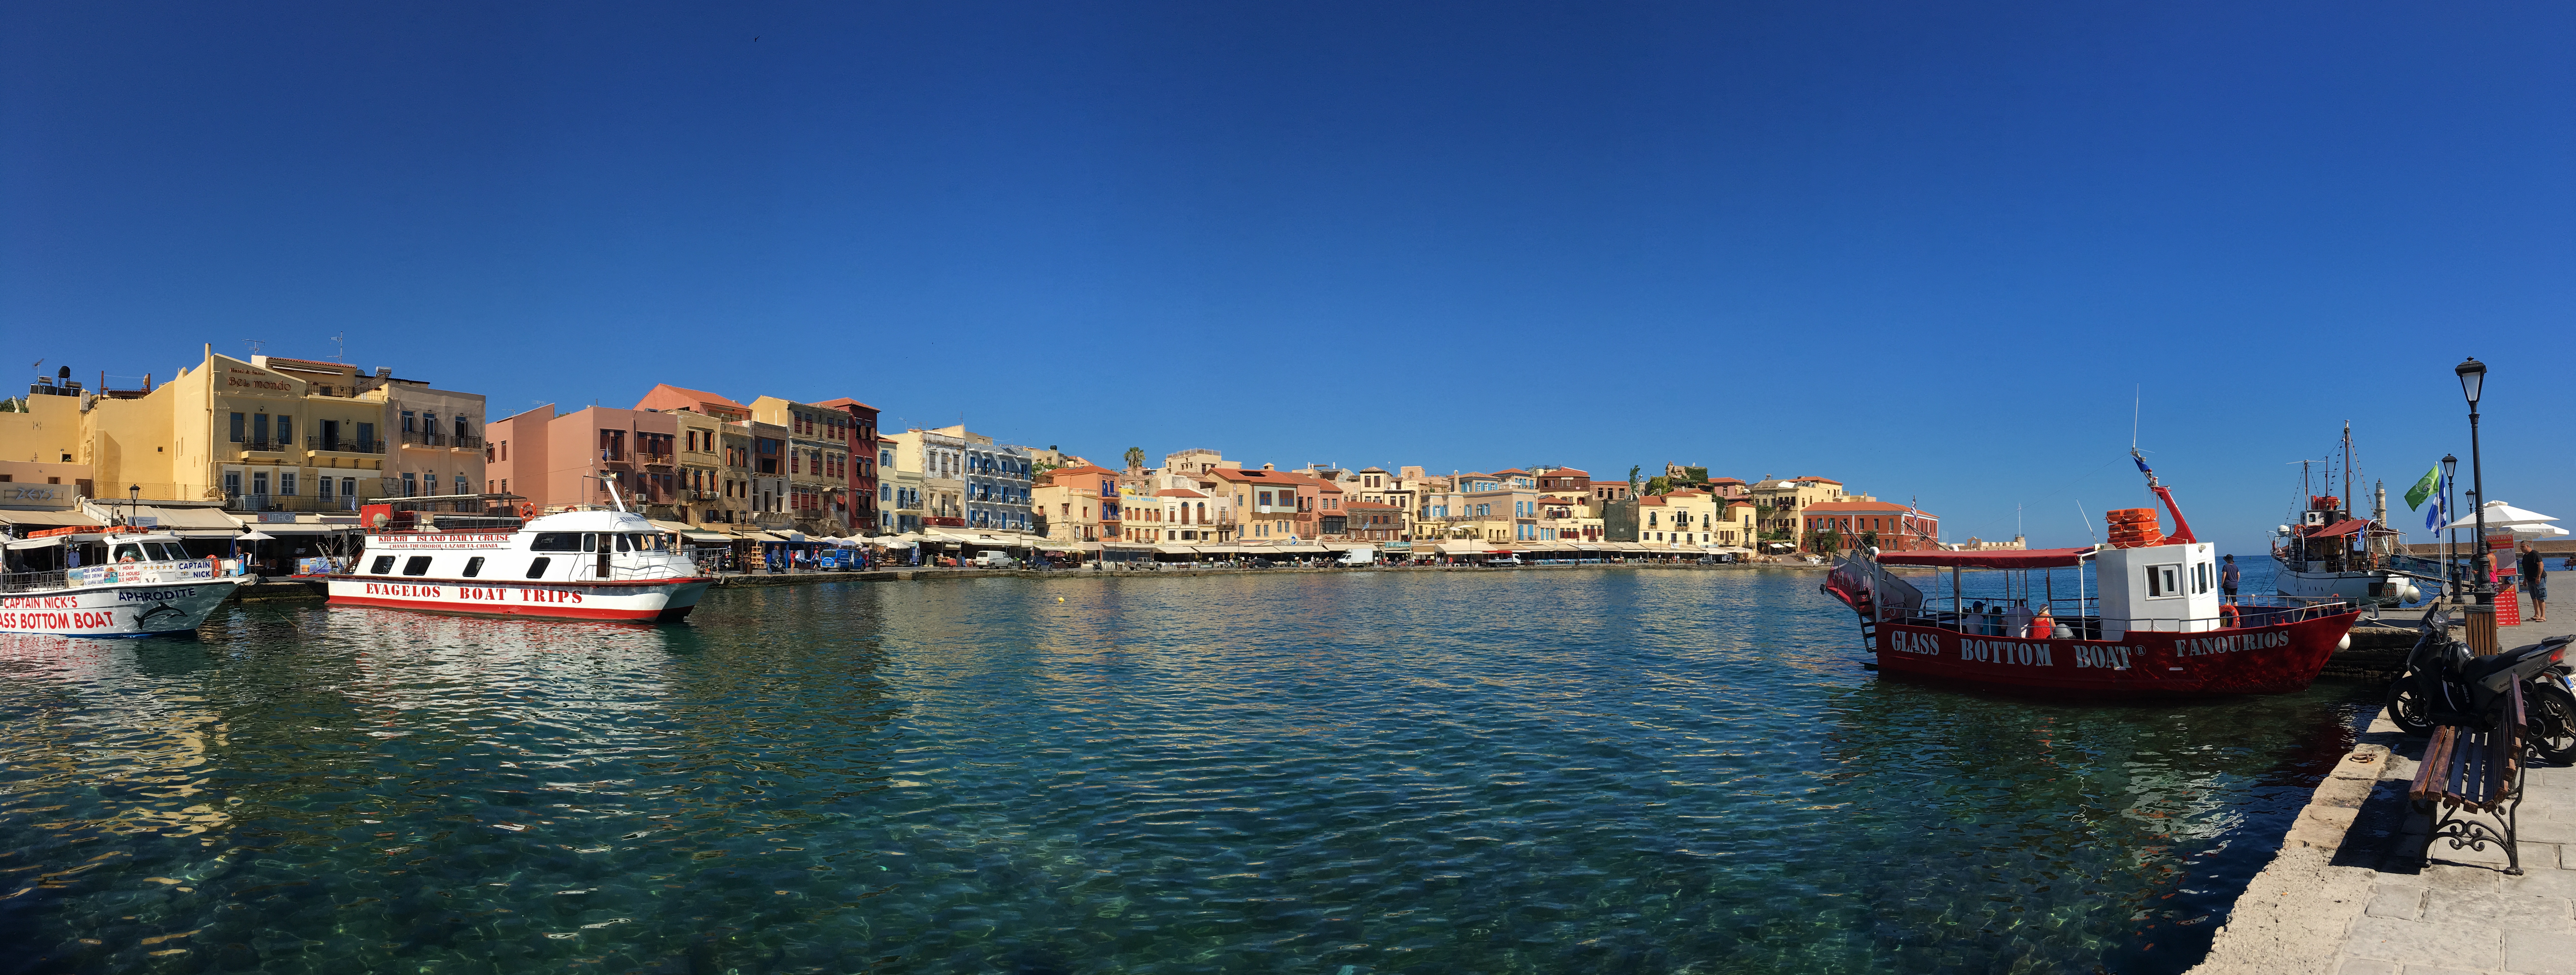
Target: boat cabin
[93, 557]
[2170, 588]
[573, 546]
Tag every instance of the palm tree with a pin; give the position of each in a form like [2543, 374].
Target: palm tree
[1135, 458]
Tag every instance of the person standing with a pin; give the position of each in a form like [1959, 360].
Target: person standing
[2229, 577]
[2535, 580]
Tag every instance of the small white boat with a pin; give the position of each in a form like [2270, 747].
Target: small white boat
[146, 584]
[577, 565]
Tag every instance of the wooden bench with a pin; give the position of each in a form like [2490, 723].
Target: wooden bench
[2474, 772]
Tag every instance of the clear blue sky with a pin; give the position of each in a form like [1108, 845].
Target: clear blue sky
[1928, 249]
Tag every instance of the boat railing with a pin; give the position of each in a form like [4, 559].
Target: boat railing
[2082, 619]
[31, 581]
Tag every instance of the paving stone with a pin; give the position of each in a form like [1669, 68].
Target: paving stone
[2447, 876]
[2368, 966]
[2531, 830]
[2541, 883]
[2342, 792]
[2513, 911]
[2539, 953]
[2437, 970]
[2405, 903]
[2418, 943]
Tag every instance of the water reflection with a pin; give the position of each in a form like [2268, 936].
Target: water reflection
[1436, 772]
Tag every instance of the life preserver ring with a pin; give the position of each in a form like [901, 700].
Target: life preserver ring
[2228, 616]
[527, 511]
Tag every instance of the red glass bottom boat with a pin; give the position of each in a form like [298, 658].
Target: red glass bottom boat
[2153, 625]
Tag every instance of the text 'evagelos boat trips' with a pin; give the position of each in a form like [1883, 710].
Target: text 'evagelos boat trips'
[2156, 626]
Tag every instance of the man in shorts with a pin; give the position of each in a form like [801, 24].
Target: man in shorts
[2535, 581]
[2229, 576]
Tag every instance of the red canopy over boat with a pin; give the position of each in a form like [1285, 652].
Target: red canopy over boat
[2033, 558]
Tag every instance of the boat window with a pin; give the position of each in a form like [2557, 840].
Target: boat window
[538, 567]
[163, 552]
[417, 565]
[383, 564]
[589, 542]
[129, 552]
[625, 543]
[2200, 578]
[2164, 580]
[474, 567]
[556, 542]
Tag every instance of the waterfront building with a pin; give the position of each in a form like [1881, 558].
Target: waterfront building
[1890, 527]
[561, 461]
[1785, 498]
[1613, 490]
[862, 491]
[1736, 526]
[705, 471]
[1265, 501]
[1685, 517]
[438, 442]
[939, 457]
[1068, 501]
[1325, 511]
[817, 462]
[1196, 462]
[263, 434]
[898, 494]
[995, 481]
[1728, 488]
[1375, 521]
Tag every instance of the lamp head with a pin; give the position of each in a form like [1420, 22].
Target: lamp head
[2450, 466]
[2473, 374]
[134, 491]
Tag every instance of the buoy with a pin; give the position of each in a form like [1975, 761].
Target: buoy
[1059, 599]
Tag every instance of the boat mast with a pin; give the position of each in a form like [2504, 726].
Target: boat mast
[2347, 465]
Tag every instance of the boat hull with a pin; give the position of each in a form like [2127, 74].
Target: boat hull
[2271, 659]
[130, 609]
[633, 601]
[2381, 588]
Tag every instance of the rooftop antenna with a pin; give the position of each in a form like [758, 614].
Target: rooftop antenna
[255, 345]
[339, 341]
[2137, 398]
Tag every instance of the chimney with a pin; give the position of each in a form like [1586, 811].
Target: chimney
[1269, 467]
[384, 372]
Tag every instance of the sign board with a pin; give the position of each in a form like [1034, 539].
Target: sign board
[144, 521]
[277, 517]
[41, 497]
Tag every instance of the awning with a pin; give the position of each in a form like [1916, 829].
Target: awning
[46, 519]
[1176, 550]
[302, 528]
[183, 521]
[2344, 527]
[1462, 548]
[2036, 558]
[707, 537]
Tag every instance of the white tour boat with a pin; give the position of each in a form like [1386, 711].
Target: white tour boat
[2330, 554]
[140, 584]
[579, 565]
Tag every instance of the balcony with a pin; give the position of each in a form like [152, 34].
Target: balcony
[617, 460]
[288, 502]
[662, 459]
[262, 446]
[465, 443]
[344, 446]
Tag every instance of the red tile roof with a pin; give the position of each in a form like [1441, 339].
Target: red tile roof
[1853, 507]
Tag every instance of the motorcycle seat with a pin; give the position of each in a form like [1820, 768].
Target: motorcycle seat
[2477, 667]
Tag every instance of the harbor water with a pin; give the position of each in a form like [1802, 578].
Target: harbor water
[1536, 771]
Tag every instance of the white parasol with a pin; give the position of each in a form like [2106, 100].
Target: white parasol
[2501, 515]
[254, 535]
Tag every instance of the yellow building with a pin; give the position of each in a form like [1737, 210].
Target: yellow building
[1786, 497]
[1685, 517]
[259, 438]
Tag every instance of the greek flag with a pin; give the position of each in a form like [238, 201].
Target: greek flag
[2434, 516]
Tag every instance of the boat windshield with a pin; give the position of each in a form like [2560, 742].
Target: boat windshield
[128, 552]
[169, 551]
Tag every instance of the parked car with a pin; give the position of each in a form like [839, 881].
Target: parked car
[993, 560]
[1510, 560]
[1363, 555]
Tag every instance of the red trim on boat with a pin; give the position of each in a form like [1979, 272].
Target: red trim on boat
[2036, 558]
[516, 583]
[541, 611]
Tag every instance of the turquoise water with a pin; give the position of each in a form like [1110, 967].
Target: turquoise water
[1540, 771]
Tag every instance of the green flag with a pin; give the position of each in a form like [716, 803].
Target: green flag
[2424, 488]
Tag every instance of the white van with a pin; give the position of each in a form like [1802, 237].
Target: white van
[1507, 560]
[1363, 555]
[993, 560]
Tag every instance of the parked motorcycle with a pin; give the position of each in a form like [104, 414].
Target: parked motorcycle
[2444, 685]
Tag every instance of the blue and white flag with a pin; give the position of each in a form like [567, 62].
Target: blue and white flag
[2434, 516]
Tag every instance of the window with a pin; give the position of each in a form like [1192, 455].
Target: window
[286, 433]
[411, 484]
[259, 430]
[556, 542]
[382, 565]
[538, 566]
[286, 483]
[417, 565]
[474, 567]
[237, 428]
[409, 425]
[2164, 580]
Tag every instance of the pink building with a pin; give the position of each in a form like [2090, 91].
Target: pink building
[556, 460]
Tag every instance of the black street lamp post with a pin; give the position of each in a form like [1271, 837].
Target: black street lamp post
[133, 498]
[2451, 512]
[2473, 376]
